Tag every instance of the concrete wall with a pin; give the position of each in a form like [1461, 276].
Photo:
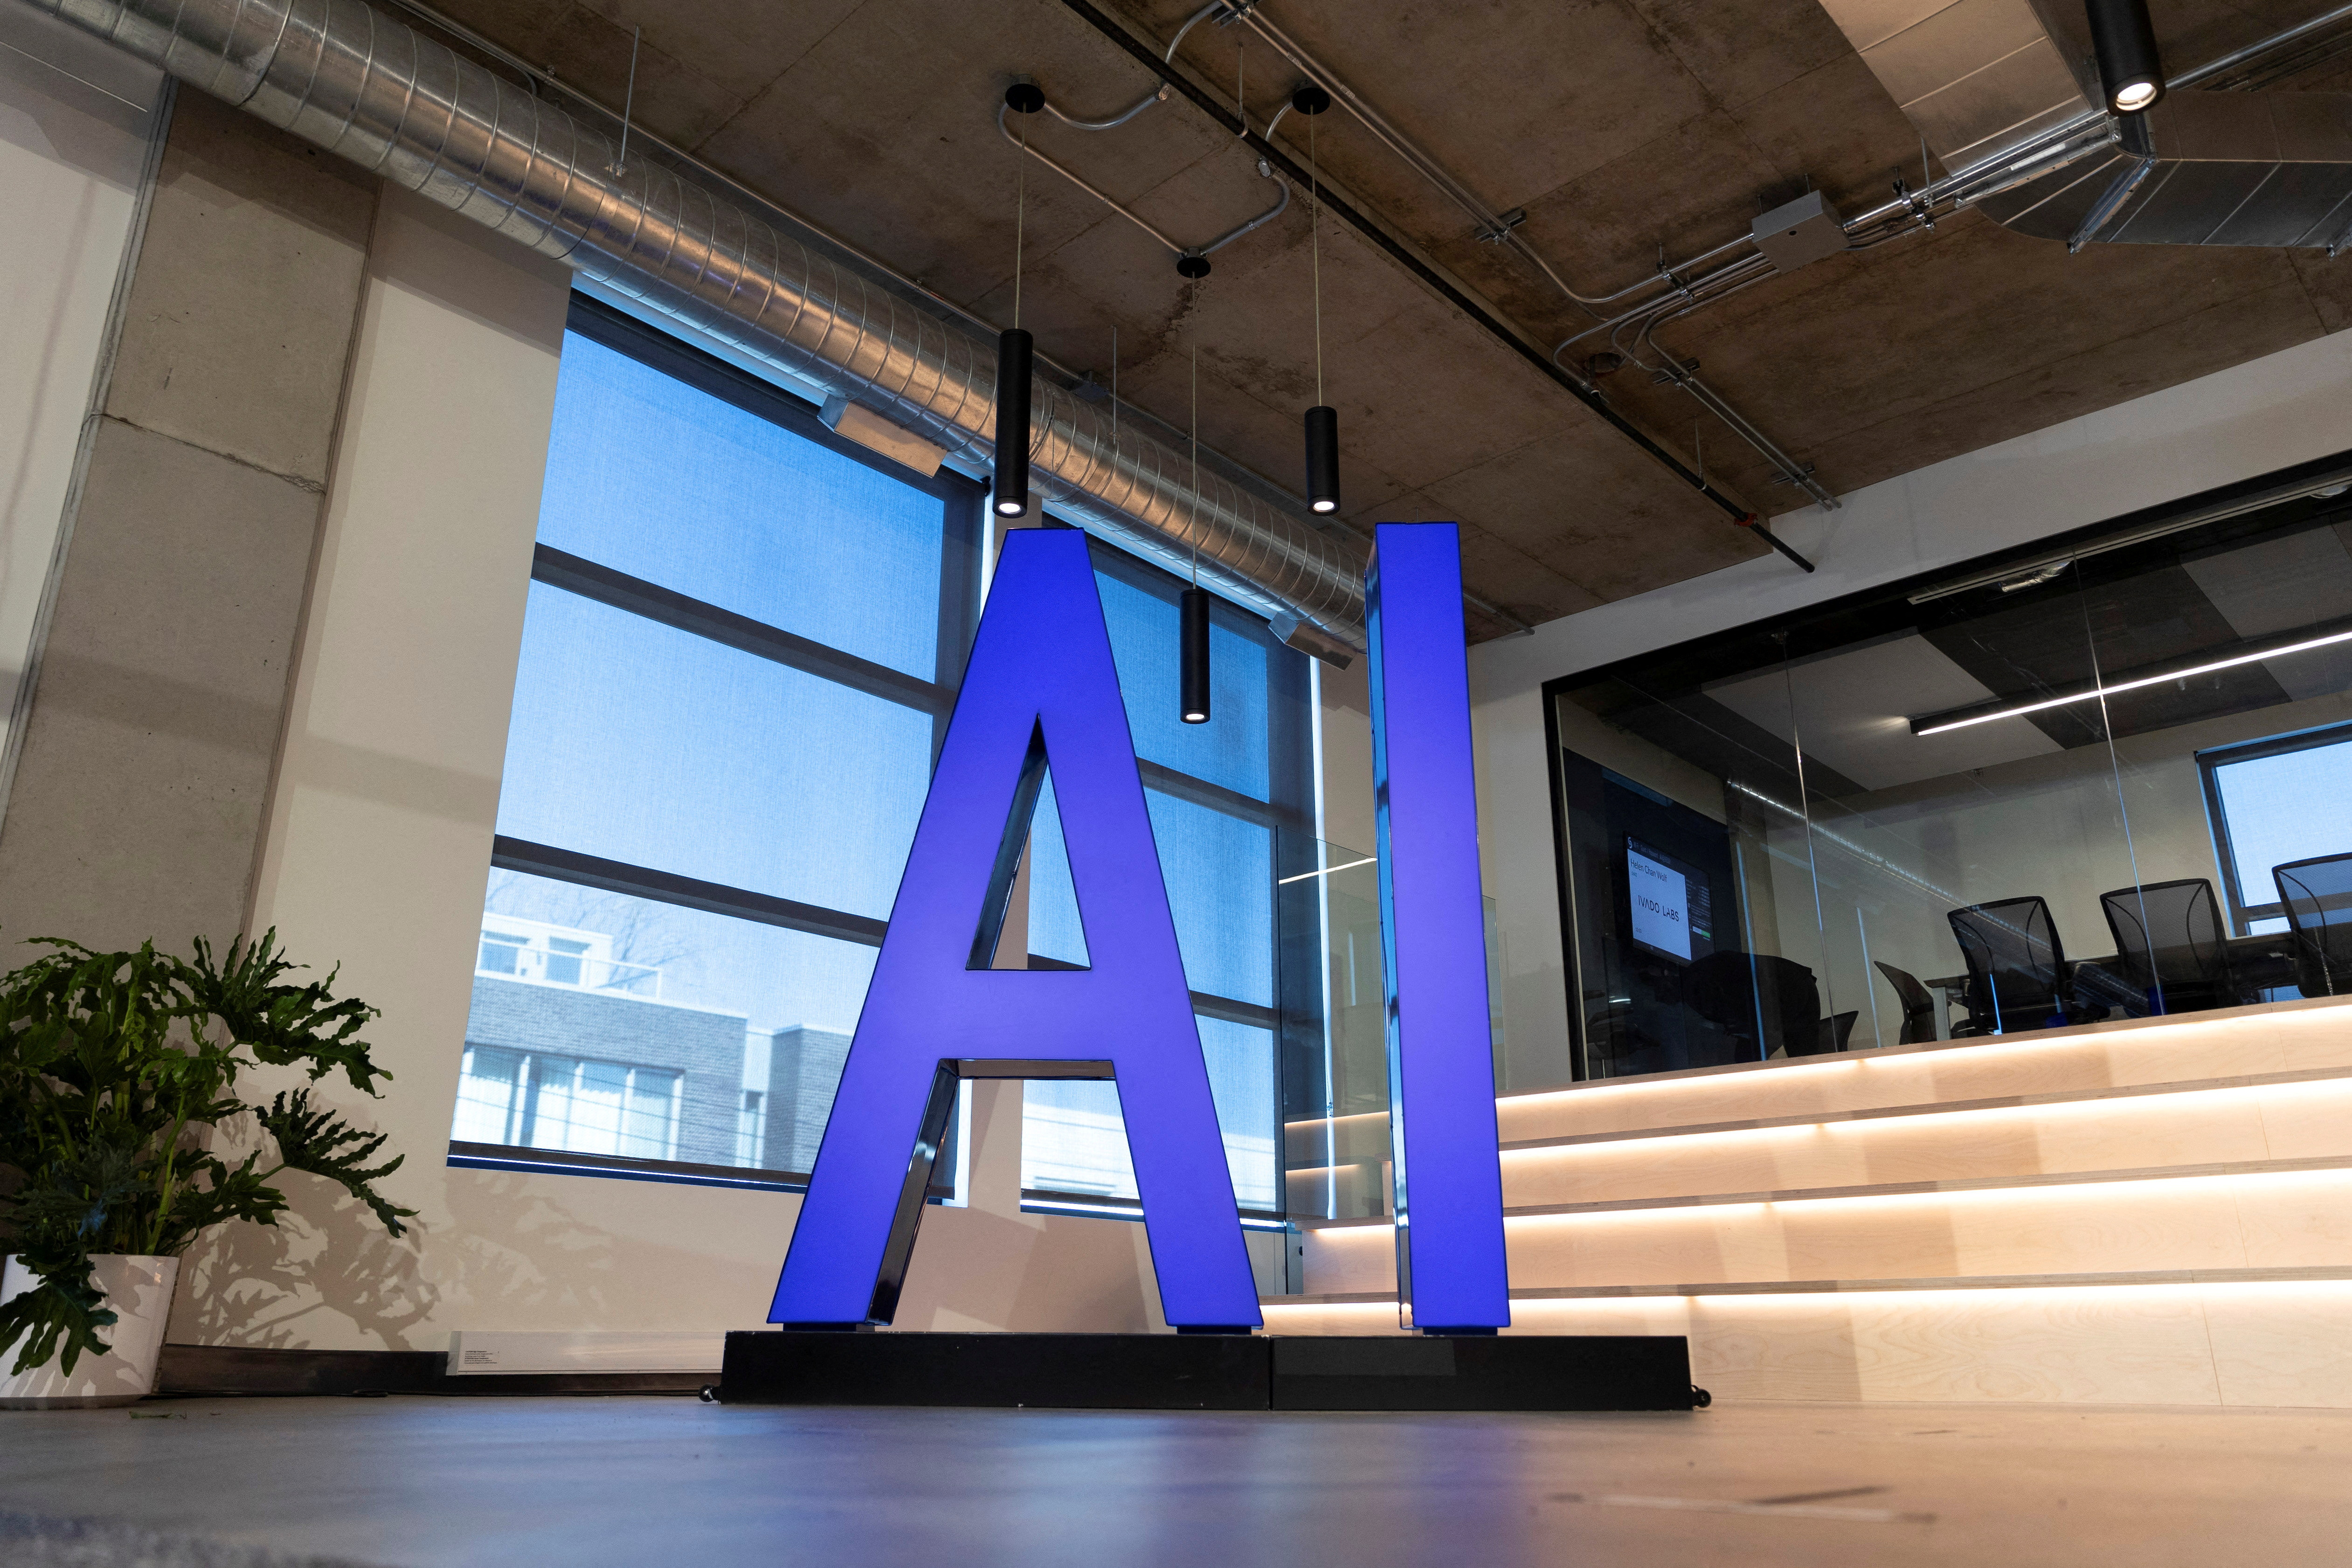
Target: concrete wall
[2290, 407]
[81, 128]
[147, 751]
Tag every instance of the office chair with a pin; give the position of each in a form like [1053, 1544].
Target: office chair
[2170, 946]
[2019, 977]
[2318, 893]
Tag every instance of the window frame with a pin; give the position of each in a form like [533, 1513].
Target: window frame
[963, 522]
[1288, 814]
[2217, 817]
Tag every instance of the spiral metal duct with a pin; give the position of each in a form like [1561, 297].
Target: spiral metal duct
[357, 83]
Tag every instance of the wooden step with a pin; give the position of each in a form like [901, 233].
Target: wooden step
[2154, 1211]
[2299, 1115]
[2260, 1216]
[2277, 1038]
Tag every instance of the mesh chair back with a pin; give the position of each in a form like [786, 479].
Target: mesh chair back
[1745, 992]
[1918, 1003]
[2170, 941]
[2018, 973]
[2318, 897]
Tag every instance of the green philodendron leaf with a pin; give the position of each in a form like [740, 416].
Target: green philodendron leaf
[323, 1144]
[284, 1025]
[115, 1068]
[61, 1316]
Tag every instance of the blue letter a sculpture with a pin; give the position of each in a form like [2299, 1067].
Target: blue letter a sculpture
[1040, 685]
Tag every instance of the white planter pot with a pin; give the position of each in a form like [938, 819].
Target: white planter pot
[139, 1289]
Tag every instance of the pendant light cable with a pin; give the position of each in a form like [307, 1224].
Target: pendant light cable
[1015, 349]
[1315, 249]
[1020, 217]
[1241, 88]
[1192, 603]
[1322, 420]
[1196, 446]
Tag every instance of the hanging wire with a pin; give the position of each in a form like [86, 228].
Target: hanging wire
[1196, 436]
[620, 164]
[1241, 88]
[1020, 215]
[1114, 395]
[1315, 244]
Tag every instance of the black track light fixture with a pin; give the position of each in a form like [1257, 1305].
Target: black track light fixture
[2131, 73]
[1015, 350]
[1192, 673]
[1322, 420]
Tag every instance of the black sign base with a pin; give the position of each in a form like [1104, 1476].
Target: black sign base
[1211, 1372]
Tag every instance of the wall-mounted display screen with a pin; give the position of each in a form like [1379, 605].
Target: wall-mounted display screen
[1662, 895]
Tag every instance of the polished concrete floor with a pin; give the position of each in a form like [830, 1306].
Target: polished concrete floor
[587, 1482]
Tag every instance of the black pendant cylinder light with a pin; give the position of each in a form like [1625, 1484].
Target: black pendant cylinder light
[1322, 420]
[2130, 71]
[1015, 348]
[1323, 458]
[1193, 614]
[1192, 604]
[1014, 351]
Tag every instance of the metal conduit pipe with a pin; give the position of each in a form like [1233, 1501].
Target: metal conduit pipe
[1437, 283]
[349, 80]
[2059, 147]
[1502, 231]
[1910, 213]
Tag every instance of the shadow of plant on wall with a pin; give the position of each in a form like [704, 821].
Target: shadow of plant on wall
[515, 1248]
[262, 1286]
[497, 1245]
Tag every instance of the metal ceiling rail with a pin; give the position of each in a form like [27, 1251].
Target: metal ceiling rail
[1446, 288]
[1504, 230]
[1915, 211]
[1182, 253]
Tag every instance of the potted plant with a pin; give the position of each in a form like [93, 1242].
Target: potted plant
[117, 1074]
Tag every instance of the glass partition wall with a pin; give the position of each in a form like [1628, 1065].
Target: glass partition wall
[1335, 1154]
[2033, 794]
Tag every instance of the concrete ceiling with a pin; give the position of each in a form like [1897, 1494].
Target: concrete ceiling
[1621, 126]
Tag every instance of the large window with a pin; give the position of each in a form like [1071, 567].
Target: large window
[1217, 793]
[2273, 803]
[741, 648]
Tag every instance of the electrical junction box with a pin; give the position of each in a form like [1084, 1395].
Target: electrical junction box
[1799, 232]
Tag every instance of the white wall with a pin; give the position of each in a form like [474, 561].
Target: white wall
[377, 856]
[2287, 408]
[74, 157]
